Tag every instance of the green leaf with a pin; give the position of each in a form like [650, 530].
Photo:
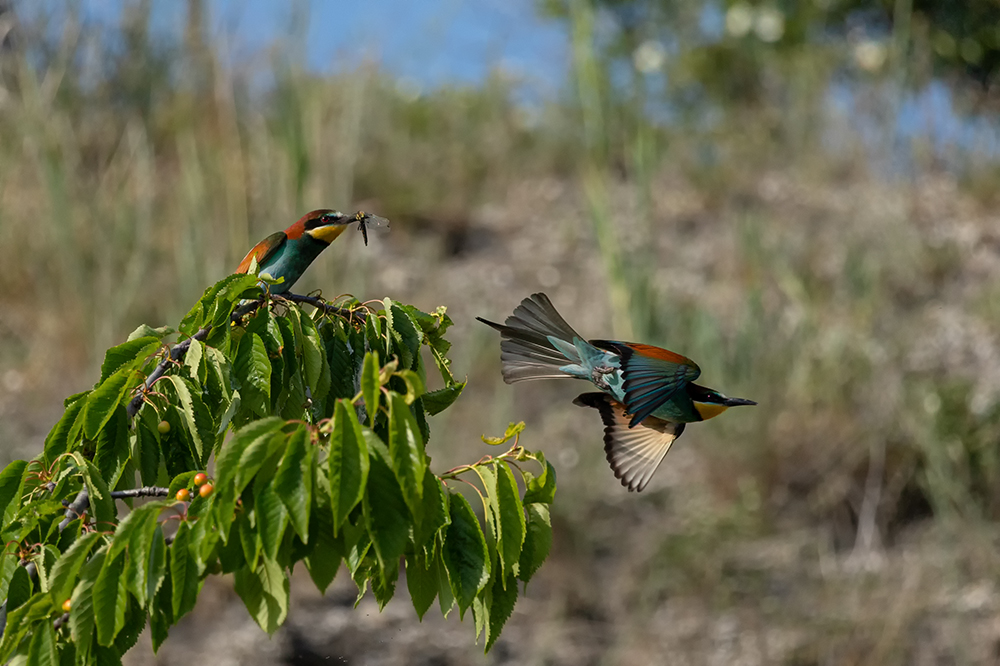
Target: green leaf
[404, 332]
[250, 539]
[113, 448]
[140, 546]
[542, 489]
[421, 582]
[161, 614]
[313, 358]
[414, 385]
[58, 441]
[294, 479]
[265, 592]
[434, 515]
[465, 554]
[370, 385]
[272, 519]
[128, 354]
[81, 617]
[446, 600]
[512, 431]
[253, 368]
[537, 541]
[42, 651]
[196, 416]
[385, 511]
[230, 463]
[328, 551]
[347, 464]
[406, 449]
[156, 566]
[356, 545]
[101, 504]
[503, 597]
[373, 335]
[147, 331]
[345, 355]
[511, 519]
[103, 400]
[66, 569]
[137, 519]
[149, 454]
[10, 481]
[109, 600]
[238, 287]
[183, 573]
[19, 621]
[214, 305]
[383, 582]
[436, 402]
[488, 476]
[193, 361]
[19, 589]
[135, 622]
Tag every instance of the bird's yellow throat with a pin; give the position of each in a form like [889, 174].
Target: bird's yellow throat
[709, 409]
[327, 233]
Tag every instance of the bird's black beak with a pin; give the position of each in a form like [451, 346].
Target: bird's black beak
[736, 402]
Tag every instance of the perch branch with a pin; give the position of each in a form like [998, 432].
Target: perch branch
[145, 491]
[320, 304]
[75, 509]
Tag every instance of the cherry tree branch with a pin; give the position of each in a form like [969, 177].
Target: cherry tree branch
[145, 491]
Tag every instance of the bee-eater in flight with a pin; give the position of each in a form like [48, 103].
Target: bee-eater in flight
[647, 393]
[287, 254]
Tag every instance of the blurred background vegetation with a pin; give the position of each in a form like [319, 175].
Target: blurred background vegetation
[801, 196]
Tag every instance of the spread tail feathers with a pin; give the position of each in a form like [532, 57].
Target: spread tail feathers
[633, 452]
[536, 341]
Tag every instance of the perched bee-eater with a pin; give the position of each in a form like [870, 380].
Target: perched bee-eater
[287, 254]
[648, 394]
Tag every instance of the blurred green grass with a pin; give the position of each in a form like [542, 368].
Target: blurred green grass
[859, 311]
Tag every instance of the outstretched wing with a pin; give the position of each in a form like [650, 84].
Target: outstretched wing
[262, 251]
[634, 453]
[652, 375]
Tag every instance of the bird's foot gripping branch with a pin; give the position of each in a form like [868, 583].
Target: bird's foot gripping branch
[327, 465]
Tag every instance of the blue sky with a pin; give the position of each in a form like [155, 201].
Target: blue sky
[428, 41]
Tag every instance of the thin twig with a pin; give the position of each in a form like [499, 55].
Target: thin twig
[60, 621]
[320, 304]
[175, 355]
[178, 352]
[145, 491]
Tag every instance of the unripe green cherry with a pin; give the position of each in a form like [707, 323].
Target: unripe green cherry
[163, 427]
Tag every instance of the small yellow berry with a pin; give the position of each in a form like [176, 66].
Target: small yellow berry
[200, 478]
[206, 490]
[67, 605]
[183, 495]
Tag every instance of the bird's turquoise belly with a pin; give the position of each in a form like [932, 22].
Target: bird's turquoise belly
[289, 265]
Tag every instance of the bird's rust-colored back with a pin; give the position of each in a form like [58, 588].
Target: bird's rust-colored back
[264, 249]
[649, 351]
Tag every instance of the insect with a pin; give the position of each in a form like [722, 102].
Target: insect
[366, 220]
